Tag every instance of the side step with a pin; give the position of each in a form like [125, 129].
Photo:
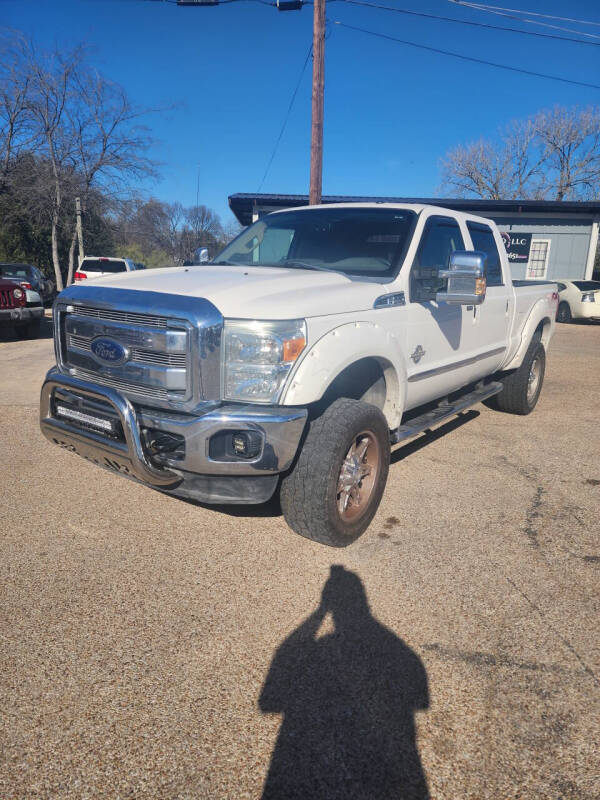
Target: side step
[444, 411]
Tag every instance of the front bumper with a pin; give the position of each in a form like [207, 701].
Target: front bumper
[190, 473]
[23, 314]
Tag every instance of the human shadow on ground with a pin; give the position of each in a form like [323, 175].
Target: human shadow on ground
[348, 701]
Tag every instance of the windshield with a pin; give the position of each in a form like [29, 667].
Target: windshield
[355, 241]
[9, 271]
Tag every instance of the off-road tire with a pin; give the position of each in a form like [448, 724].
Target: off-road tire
[29, 331]
[515, 397]
[564, 312]
[309, 492]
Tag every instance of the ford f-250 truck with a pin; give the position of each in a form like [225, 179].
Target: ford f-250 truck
[317, 339]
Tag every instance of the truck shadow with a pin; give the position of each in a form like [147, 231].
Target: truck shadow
[414, 445]
[272, 508]
[348, 700]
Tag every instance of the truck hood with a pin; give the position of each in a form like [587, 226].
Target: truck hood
[255, 292]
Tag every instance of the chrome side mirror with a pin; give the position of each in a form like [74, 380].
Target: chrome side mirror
[466, 279]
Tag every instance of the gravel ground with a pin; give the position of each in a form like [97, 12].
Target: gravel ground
[151, 648]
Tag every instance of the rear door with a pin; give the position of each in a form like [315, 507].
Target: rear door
[487, 335]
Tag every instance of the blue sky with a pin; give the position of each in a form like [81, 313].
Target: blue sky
[391, 111]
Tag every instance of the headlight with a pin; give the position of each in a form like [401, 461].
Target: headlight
[590, 297]
[258, 357]
[17, 293]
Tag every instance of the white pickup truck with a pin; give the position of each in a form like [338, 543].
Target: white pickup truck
[315, 341]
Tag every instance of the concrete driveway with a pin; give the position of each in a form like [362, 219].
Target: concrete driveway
[151, 648]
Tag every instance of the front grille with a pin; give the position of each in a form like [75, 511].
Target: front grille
[166, 347]
[158, 352]
[141, 356]
[128, 317]
[126, 388]
[6, 298]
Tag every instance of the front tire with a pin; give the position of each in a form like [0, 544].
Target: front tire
[334, 489]
[564, 313]
[523, 386]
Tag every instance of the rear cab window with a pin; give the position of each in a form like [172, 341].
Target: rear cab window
[483, 239]
[102, 265]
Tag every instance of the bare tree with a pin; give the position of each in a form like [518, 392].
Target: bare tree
[52, 78]
[553, 154]
[109, 141]
[17, 132]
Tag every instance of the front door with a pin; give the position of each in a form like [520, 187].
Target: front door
[435, 332]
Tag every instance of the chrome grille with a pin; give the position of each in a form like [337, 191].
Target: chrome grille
[127, 388]
[141, 356]
[172, 359]
[128, 317]
[158, 358]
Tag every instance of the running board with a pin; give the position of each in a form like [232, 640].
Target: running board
[444, 411]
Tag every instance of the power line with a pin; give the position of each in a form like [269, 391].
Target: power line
[468, 58]
[523, 11]
[490, 10]
[466, 22]
[286, 118]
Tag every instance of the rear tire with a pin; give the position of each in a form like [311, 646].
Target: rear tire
[334, 489]
[564, 313]
[523, 386]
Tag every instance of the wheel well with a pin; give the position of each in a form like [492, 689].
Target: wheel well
[542, 332]
[371, 380]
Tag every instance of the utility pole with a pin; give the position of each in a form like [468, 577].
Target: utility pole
[318, 86]
[79, 229]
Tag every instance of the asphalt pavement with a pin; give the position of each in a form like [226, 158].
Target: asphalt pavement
[152, 648]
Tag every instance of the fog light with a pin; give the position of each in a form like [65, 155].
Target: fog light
[246, 444]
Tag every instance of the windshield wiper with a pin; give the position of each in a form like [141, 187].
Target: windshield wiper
[293, 264]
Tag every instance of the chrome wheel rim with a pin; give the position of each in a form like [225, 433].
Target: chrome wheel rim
[358, 476]
[533, 380]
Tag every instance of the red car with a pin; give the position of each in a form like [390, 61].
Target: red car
[16, 312]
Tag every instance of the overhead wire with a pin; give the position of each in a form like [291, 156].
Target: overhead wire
[468, 58]
[490, 10]
[487, 7]
[286, 118]
[465, 22]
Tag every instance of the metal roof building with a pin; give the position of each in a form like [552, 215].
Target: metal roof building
[544, 238]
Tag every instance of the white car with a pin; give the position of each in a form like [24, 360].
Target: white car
[95, 267]
[316, 340]
[578, 300]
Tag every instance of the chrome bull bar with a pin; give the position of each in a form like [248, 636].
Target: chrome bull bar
[125, 457]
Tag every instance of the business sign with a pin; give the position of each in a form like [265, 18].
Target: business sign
[517, 246]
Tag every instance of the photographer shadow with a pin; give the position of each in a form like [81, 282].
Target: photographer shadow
[348, 700]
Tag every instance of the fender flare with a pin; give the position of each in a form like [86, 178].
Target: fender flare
[538, 314]
[338, 349]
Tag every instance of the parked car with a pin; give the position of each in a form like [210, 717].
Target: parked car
[320, 337]
[20, 309]
[95, 267]
[27, 273]
[578, 300]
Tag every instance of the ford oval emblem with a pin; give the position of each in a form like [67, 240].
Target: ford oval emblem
[109, 352]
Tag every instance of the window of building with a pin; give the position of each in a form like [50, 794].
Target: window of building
[483, 239]
[440, 238]
[538, 259]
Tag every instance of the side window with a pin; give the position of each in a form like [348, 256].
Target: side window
[483, 239]
[440, 238]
